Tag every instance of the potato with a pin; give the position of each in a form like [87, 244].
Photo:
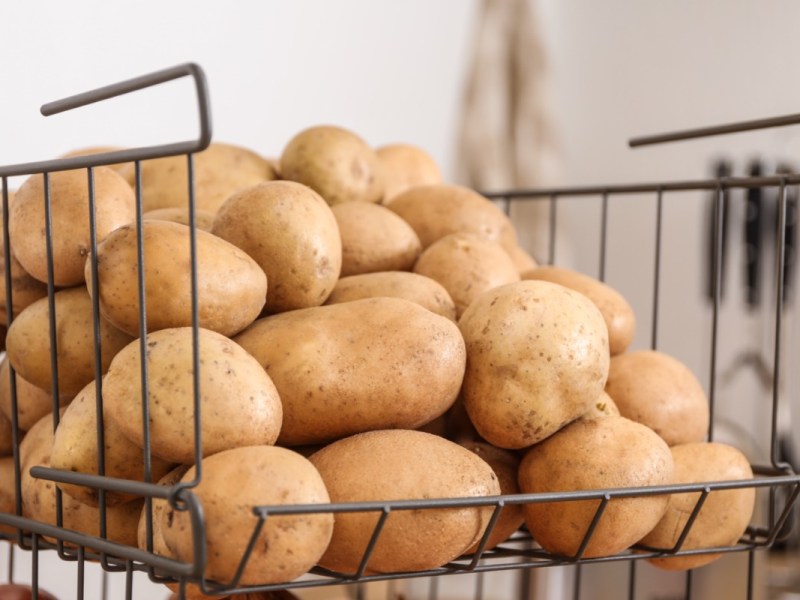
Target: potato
[505, 465]
[25, 290]
[6, 436]
[220, 171]
[725, 514]
[604, 406]
[32, 402]
[400, 465]
[292, 235]
[377, 363]
[39, 498]
[405, 166]
[69, 198]
[335, 163]
[415, 288]
[434, 211]
[158, 506]
[203, 219]
[75, 449]
[659, 391]
[466, 265]
[28, 342]
[522, 260]
[595, 454]
[616, 311]
[233, 483]
[239, 403]
[8, 492]
[374, 239]
[537, 358]
[231, 287]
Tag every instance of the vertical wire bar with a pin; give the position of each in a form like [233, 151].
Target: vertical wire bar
[551, 249]
[632, 580]
[719, 209]
[780, 252]
[104, 586]
[479, 586]
[198, 434]
[576, 582]
[656, 275]
[750, 572]
[11, 548]
[433, 590]
[603, 237]
[81, 582]
[128, 580]
[35, 567]
[688, 594]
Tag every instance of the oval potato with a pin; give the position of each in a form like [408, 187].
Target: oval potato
[405, 166]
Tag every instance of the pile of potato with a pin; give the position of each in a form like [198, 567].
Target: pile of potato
[366, 333]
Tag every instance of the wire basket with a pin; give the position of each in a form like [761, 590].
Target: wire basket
[777, 482]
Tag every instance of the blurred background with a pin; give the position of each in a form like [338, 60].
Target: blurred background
[502, 93]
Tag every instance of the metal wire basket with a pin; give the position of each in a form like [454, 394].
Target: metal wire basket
[778, 482]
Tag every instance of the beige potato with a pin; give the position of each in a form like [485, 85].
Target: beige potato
[725, 514]
[335, 163]
[71, 241]
[75, 449]
[374, 239]
[25, 289]
[537, 359]
[434, 211]
[233, 483]
[291, 233]
[604, 406]
[415, 288]
[39, 498]
[369, 364]
[405, 166]
[422, 466]
[239, 403]
[592, 454]
[178, 214]
[28, 342]
[616, 311]
[466, 265]
[661, 392]
[523, 261]
[231, 287]
[220, 171]
[8, 492]
[32, 402]
[505, 465]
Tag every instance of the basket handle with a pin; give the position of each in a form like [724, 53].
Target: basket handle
[130, 154]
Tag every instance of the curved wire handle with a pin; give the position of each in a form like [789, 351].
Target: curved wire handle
[129, 154]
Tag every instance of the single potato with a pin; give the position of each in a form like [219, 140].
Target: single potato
[405, 166]
[592, 454]
[537, 358]
[399, 465]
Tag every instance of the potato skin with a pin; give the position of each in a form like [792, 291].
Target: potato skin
[203, 219]
[357, 469]
[405, 166]
[231, 287]
[8, 494]
[616, 311]
[233, 483]
[335, 163]
[537, 357]
[725, 514]
[25, 289]
[239, 403]
[593, 454]
[374, 239]
[413, 287]
[28, 342]
[69, 197]
[32, 402]
[291, 233]
[659, 391]
[522, 259]
[342, 369]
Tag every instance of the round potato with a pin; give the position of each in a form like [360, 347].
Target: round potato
[179, 214]
[369, 364]
[591, 454]
[32, 402]
[374, 239]
[292, 235]
[434, 211]
[415, 288]
[75, 449]
[405, 166]
[231, 287]
[28, 342]
[233, 483]
[355, 470]
[537, 359]
[725, 514]
[522, 260]
[661, 392]
[220, 171]
[466, 265]
[616, 311]
[335, 163]
[69, 200]
[239, 403]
